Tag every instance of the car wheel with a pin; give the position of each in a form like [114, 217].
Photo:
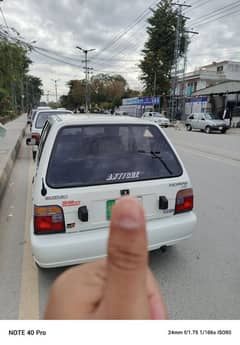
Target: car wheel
[166, 126]
[223, 131]
[189, 127]
[208, 130]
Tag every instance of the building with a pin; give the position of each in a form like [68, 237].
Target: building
[208, 75]
[222, 99]
[213, 88]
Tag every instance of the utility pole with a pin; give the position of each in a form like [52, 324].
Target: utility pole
[89, 71]
[154, 91]
[176, 57]
[56, 88]
[48, 92]
[86, 51]
[182, 91]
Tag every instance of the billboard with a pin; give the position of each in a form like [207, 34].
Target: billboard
[142, 101]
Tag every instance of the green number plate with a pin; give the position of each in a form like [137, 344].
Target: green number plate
[110, 204]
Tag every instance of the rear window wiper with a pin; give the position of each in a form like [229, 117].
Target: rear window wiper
[156, 154]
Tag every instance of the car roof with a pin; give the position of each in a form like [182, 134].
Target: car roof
[53, 110]
[63, 120]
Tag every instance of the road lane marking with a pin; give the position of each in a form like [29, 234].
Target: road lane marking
[29, 292]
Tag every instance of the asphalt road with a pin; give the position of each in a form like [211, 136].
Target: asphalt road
[199, 278]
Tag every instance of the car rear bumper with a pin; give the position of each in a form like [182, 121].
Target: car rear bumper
[74, 248]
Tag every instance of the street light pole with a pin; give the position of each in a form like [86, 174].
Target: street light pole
[86, 51]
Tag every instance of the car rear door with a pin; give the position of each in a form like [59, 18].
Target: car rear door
[86, 176]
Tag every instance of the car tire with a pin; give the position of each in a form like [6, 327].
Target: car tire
[207, 130]
[223, 131]
[166, 126]
[189, 128]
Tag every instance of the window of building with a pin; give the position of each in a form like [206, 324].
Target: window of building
[219, 69]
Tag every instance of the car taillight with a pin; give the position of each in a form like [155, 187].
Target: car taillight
[184, 201]
[36, 136]
[48, 220]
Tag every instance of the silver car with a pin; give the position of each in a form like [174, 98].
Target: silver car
[205, 122]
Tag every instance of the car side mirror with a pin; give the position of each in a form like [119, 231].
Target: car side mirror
[30, 142]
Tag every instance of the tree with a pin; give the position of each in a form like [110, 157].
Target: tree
[107, 88]
[158, 52]
[21, 89]
[105, 91]
[32, 91]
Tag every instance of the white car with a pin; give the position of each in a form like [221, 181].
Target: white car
[120, 113]
[39, 118]
[84, 165]
[156, 117]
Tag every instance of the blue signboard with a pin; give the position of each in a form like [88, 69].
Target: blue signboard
[197, 99]
[149, 100]
[130, 101]
[143, 101]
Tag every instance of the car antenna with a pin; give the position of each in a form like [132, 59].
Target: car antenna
[43, 190]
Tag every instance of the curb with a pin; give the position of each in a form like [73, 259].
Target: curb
[12, 155]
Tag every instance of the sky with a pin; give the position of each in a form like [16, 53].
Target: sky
[117, 32]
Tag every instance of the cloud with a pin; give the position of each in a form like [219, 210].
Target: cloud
[62, 25]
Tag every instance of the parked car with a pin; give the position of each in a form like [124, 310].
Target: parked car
[30, 117]
[39, 117]
[84, 165]
[156, 117]
[205, 122]
[120, 113]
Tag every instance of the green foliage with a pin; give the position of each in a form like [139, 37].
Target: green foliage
[32, 91]
[158, 52]
[105, 91]
[19, 89]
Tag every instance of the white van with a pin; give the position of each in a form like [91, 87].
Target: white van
[84, 164]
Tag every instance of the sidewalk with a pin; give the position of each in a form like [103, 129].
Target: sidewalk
[9, 147]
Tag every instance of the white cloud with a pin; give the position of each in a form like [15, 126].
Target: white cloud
[63, 24]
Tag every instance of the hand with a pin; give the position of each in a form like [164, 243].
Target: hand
[118, 287]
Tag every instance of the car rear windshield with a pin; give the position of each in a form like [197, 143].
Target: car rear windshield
[44, 115]
[107, 154]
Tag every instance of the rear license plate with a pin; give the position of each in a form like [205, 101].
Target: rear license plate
[111, 203]
[109, 206]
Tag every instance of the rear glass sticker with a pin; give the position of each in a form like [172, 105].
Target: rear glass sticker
[147, 134]
[70, 203]
[123, 176]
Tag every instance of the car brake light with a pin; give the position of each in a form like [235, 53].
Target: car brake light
[48, 220]
[36, 136]
[184, 201]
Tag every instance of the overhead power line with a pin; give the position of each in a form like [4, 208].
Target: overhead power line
[4, 18]
[126, 30]
[216, 12]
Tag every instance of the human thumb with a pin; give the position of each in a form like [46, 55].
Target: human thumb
[125, 295]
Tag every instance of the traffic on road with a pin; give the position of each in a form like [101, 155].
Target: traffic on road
[54, 203]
